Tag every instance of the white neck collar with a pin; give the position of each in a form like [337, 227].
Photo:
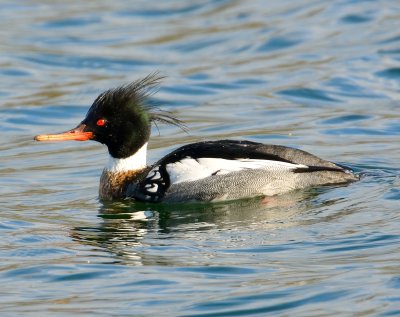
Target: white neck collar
[136, 161]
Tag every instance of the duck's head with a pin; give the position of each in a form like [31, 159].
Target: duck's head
[120, 118]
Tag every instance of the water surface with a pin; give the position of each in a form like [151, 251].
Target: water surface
[320, 76]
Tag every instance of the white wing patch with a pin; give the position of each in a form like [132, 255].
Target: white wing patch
[190, 169]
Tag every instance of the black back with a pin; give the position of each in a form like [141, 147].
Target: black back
[235, 149]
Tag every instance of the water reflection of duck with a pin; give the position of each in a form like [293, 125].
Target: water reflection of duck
[121, 119]
[142, 233]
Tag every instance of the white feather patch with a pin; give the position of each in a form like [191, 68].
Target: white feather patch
[190, 169]
[136, 161]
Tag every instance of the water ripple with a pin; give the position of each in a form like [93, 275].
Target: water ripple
[319, 76]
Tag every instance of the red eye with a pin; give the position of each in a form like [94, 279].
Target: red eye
[101, 122]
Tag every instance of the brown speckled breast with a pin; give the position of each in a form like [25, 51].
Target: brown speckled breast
[113, 185]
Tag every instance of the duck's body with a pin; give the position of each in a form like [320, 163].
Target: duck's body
[228, 169]
[204, 171]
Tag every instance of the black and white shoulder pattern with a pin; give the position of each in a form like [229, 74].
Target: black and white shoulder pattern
[153, 187]
[206, 159]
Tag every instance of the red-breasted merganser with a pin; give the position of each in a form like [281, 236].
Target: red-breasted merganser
[121, 119]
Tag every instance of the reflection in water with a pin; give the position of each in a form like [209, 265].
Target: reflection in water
[129, 230]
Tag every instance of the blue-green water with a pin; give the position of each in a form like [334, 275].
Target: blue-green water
[322, 76]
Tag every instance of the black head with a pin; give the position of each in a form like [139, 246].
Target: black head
[120, 118]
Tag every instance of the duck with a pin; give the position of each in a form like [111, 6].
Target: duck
[121, 118]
